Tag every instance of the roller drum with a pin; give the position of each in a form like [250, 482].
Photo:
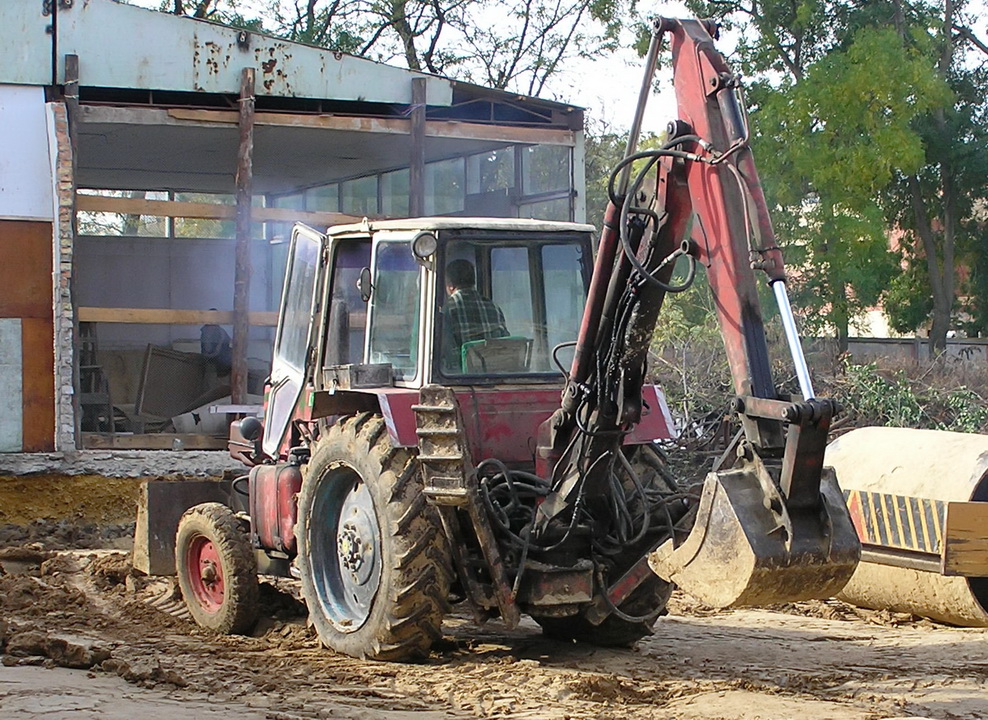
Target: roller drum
[899, 483]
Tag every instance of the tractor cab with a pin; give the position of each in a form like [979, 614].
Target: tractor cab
[373, 312]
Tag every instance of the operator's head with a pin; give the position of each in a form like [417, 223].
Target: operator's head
[460, 275]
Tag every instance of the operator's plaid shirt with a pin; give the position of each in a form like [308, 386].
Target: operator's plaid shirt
[471, 316]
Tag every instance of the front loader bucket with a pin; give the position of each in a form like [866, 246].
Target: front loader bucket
[746, 549]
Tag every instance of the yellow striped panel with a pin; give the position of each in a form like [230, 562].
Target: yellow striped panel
[897, 521]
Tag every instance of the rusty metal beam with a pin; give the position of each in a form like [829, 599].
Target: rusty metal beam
[416, 163]
[241, 281]
[209, 211]
[352, 123]
[166, 316]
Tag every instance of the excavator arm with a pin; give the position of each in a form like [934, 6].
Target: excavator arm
[770, 524]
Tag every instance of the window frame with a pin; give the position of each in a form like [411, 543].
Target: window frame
[493, 239]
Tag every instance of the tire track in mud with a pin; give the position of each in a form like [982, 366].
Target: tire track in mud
[699, 665]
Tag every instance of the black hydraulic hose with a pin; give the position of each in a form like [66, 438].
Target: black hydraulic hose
[665, 151]
[555, 357]
[647, 618]
[516, 586]
[646, 520]
[629, 251]
[623, 522]
[242, 480]
[502, 520]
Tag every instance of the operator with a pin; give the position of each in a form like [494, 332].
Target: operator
[467, 315]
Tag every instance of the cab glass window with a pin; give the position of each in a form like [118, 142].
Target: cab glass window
[347, 317]
[566, 295]
[297, 312]
[394, 309]
[507, 304]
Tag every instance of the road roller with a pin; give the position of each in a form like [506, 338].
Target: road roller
[917, 499]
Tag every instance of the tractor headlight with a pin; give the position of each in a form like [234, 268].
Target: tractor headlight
[424, 245]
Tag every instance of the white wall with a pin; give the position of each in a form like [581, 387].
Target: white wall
[179, 274]
[25, 170]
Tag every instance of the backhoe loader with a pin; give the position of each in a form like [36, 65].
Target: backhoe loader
[413, 451]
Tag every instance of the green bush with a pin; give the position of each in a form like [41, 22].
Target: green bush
[935, 396]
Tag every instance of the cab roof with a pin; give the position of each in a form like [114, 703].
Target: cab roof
[459, 223]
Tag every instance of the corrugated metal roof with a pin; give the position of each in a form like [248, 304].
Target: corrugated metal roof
[127, 47]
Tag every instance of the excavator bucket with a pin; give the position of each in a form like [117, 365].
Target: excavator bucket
[746, 548]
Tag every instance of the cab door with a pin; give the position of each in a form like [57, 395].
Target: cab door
[294, 338]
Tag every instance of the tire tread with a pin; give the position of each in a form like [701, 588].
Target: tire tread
[415, 600]
[240, 608]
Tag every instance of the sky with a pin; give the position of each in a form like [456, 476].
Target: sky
[608, 87]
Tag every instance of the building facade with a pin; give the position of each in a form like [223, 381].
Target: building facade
[151, 167]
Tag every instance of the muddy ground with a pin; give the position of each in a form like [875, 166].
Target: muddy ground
[132, 647]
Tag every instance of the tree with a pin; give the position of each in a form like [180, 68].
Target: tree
[603, 150]
[226, 12]
[532, 39]
[413, 32]
[324, 24]
[937, 204]
[833, 142]
[193, 8]
[878, 98]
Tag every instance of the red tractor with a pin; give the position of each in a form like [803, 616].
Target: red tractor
[458, 409]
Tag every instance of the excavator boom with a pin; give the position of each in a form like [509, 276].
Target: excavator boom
[771, 524]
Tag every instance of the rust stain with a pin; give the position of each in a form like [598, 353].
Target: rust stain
[37, 337]
[269, 66]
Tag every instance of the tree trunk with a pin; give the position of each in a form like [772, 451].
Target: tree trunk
[399, 20]
[941, 289]
[942, 310]
[841, 317]
[843, 336]
[939, 328]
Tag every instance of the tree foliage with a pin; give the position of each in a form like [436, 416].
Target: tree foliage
[871, 124]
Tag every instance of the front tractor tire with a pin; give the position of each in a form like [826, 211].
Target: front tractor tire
[373, 560]
[216, 569]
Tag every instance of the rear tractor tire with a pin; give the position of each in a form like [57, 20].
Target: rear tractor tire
[216, 569]
[373, 559]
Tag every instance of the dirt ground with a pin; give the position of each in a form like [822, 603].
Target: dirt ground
[130, 649]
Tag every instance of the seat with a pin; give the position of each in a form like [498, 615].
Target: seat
[510, 354]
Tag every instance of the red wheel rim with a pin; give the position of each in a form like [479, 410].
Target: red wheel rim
[206, 573]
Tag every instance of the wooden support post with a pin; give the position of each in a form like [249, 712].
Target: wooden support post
[241, 278]
[416, 166]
